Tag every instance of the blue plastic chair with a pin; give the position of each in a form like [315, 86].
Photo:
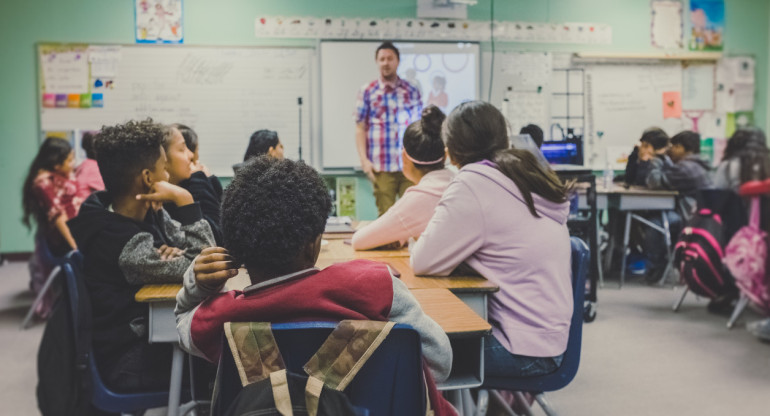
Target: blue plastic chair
[390, 383]
[538, 385]
[46, 257]
[101, 396]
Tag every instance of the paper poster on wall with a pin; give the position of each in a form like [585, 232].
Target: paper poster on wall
[158, 21]
[698, 87]
[672, 104]
[667, 24]
[65, 71]
[347, 187]
[738, 120]
[707, 25]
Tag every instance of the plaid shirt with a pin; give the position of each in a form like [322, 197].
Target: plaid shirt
[387, 110]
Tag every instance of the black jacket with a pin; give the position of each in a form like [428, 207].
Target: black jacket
[120, 256]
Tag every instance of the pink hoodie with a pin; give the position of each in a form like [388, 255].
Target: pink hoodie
[482, 220]
[408, 216]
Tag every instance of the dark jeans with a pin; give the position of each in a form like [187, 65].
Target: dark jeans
[498, 362]
[144, 367]
[654, 242]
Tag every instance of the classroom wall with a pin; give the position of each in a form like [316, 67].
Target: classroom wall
[231, 22]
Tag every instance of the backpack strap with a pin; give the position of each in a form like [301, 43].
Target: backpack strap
[257, 357]
[341, 357]
[254, 350]
[754, 215]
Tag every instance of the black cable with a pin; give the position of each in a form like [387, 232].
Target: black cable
[492, 39]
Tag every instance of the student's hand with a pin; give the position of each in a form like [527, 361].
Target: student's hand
[161, 192]
[645, 153]
[169, 253]
[213, 267]
[369, 169]
[199, 167]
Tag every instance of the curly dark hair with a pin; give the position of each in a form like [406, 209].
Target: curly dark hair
[124, 150]
[272, 210]
[656, 137]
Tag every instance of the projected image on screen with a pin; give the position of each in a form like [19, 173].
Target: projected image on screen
[445, 78]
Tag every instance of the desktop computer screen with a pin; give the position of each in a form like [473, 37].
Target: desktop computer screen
[562, 152]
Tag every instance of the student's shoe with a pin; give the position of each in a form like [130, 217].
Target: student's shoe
[722, 305]
[760, 329]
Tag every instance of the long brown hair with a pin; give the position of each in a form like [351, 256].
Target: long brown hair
[54, 151]
[476, 131]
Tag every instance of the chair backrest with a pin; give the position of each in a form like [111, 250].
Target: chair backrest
[44, 253]
[390, 383]
[80, 308]
[571, 360]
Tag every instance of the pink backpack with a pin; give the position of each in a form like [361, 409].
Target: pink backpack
[746, 256]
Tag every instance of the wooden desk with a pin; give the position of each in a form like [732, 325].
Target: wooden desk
[464, 327]
[340, 251]
[473, 290]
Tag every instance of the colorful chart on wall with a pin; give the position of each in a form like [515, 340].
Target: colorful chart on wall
[707, 25]
[159, 21]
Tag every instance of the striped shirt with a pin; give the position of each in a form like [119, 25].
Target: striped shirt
[387, 109]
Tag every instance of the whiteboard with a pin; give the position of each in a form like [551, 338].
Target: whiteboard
[347, 66]
[621, 102]
[223, 93]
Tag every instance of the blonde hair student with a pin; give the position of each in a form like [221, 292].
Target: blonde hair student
[424, 164]
[505, 217]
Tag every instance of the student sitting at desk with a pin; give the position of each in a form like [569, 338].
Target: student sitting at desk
[49, 198]
[682, 170]
[186, 172]
[504, 216]
[278, 239]
[653, 143]
[423, 157]
[127, 241]
[87, 173]
[262, 142]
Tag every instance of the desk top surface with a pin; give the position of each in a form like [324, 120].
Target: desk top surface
[339, 250]
[454, 316]
[457, 284]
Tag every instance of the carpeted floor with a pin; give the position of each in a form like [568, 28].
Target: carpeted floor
[639, 358]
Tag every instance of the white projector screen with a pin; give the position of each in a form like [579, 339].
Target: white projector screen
[347, 66]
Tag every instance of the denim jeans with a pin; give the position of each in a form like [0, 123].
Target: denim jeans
[498, 362]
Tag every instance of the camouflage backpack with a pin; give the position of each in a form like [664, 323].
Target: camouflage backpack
[268, 389]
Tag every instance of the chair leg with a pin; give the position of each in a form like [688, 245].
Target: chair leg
[667, 270]
[175, 386]
[482, 402]
[626, 236]
[46, 286]
[739, 308]
[522, 400]
[506, 410]
[680, 299]
[550, 411]
[469, 408]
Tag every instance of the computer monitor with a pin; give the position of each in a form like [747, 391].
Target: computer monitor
[563, 152]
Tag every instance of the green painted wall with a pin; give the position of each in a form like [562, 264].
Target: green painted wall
[231, 22]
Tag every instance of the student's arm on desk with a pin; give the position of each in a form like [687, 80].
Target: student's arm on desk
[212, 266]
[435, 343]
[454, 233]
[192, 233]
